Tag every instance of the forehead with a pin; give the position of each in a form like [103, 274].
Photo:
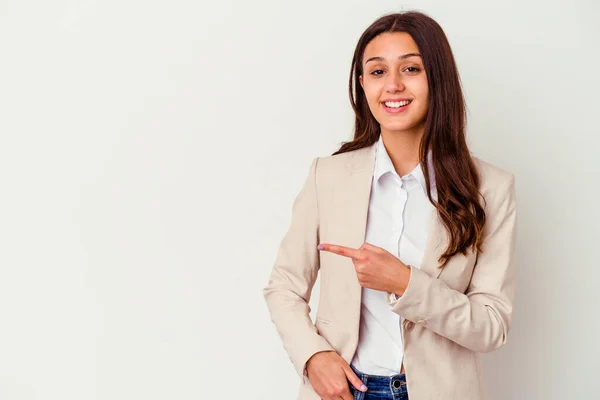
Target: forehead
[390, 45]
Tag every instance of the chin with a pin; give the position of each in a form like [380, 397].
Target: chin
[406, 124]
[397, 127]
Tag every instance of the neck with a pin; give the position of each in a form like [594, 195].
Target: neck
[403, 149]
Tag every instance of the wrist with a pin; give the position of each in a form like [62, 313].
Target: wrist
[403, 282]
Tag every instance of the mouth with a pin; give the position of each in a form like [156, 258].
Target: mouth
[395, 106]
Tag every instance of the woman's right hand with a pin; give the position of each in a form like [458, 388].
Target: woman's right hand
[329, 375]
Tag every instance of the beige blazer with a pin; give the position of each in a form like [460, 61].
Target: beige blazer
[450, 314]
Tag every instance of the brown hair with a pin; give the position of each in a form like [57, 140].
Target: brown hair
[456, 178]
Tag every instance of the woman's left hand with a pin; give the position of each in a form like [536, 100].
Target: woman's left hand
[376, 268]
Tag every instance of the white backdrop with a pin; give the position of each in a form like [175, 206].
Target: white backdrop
[150, 152]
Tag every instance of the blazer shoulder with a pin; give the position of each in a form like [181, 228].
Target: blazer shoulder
[491, 175]
[342, 159]
[331, 166]
[496, 185]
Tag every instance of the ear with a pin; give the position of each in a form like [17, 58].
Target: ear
[361, 81]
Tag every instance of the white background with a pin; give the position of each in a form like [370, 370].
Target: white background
[150, 152]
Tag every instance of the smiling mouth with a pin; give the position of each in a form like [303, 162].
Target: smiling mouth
[395, 107]
[396, 104]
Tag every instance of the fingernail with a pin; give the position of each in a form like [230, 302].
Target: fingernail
[320, 247]
[363, 387]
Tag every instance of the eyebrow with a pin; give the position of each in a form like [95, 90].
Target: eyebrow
[402, 57]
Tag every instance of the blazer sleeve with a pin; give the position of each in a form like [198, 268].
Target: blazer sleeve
[480, 318]
[292, 278]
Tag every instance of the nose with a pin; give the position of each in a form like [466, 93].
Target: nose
[394, 82]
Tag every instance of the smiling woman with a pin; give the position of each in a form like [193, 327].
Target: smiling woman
[413, 236]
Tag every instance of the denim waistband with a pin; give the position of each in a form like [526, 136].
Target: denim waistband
[394, 385]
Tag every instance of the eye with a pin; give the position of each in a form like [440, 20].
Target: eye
[414, 69]
[377, 70]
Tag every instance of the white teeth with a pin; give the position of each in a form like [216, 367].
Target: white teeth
[396, 104]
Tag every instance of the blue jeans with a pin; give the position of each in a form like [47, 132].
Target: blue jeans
[380, 387]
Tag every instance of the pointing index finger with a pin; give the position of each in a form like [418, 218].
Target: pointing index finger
[341, 250]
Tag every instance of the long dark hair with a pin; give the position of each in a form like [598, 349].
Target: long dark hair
[456, 178]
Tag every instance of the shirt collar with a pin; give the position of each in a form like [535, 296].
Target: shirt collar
[383, 165]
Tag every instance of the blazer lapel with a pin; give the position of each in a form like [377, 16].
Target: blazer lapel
[357, 192]
[353, 191]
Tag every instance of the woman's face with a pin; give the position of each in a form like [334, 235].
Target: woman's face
[395, 83]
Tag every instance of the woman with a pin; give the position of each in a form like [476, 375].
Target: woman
[413, 236]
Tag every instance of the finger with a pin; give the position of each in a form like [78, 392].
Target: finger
[347, 396]
[341, 250]
[354, 380]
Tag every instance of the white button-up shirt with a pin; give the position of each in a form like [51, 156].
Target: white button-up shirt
[398, 221]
